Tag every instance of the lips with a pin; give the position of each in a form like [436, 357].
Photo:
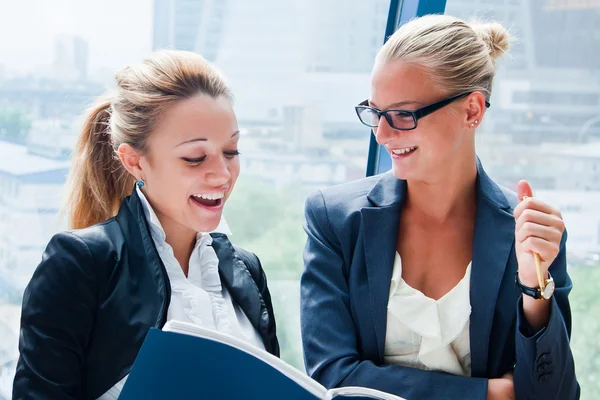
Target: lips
[211, 200]
[404, 150]
[207, 202]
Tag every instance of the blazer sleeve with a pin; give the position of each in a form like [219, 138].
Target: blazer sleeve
[329, 334]
[544, 366]
[56, 321]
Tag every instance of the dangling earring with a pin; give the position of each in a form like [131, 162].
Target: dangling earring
[140, 183]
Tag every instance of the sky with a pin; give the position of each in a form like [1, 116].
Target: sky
[117, 31]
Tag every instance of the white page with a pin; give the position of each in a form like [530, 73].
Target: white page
[301, 378]
[357, 391]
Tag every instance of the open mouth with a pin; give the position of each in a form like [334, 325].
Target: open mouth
[209, 200]
[404, 151]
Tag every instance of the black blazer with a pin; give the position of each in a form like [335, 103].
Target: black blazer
[96, 294]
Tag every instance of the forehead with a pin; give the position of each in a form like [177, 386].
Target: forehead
[394, 82]
[198, 116]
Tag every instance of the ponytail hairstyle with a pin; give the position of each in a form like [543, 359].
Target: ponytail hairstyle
[98, 182]
[458, 56]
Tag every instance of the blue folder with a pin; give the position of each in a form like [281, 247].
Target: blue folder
[179, 366]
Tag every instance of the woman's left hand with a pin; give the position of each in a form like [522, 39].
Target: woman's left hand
[539, 229]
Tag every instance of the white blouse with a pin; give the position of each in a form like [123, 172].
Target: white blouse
[425, 333]
[198, 298]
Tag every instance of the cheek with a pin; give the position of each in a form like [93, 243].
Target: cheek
[441, 137]
[234, 168]
[175, 181]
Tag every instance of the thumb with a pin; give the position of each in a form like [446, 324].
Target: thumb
[524, 189]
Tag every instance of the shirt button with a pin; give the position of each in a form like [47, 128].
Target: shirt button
[543, 368]
[542, 358]
[544, 378]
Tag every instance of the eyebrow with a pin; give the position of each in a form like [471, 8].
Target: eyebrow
[200, 139]
[398, 104]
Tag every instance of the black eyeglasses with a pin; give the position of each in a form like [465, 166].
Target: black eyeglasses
[402, 120]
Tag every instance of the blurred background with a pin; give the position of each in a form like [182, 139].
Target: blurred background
[297, 68]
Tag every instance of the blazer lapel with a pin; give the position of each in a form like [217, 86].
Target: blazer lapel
[132, 220]
[492, 244]
[238, 280]
[380, 233]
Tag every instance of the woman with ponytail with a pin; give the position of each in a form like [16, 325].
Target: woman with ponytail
[423, 281]
[154, 165]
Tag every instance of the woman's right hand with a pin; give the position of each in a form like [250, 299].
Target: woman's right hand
[501, 388]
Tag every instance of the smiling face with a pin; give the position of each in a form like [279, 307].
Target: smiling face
[440, 139]
[192, 163]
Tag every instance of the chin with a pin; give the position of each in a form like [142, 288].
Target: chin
[207, 225]
[404, 173]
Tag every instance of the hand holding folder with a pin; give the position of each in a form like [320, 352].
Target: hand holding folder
[185, 361]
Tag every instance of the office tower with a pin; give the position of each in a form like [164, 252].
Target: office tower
[70, 58]
[192, 25]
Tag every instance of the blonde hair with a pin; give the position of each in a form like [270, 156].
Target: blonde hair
[458, 56]
[98, 182]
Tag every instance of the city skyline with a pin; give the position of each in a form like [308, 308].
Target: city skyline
[297, 69]
[128, 40]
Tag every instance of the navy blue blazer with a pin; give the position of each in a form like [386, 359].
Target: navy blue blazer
[352, 234]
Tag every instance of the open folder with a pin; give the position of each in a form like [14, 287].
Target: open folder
[185, 361]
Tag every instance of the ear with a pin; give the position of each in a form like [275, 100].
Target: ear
[475, 104]
[130, 158]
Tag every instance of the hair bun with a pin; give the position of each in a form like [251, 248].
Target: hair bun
[495, 36]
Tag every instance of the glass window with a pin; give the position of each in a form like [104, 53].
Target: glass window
[544, 126]
[296, 68]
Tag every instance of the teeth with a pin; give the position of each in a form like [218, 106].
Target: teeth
[210, 196]
[404, 150]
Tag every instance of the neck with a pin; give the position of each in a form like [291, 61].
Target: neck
[182, 241]
[450, 195]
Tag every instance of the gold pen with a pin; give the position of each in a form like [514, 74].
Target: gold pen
[538, 269]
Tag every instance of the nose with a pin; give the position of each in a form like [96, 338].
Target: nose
[217, 171]
[384, 132]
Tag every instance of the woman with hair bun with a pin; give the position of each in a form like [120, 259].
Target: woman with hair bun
[422, 281]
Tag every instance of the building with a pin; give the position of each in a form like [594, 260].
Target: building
[30, 195]
[192, 25]
[49, 99]
[344, 39]
[70, 58]
[579, 167]
[52, 138]
[575, 30]
[299, 170]
[548, 85]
